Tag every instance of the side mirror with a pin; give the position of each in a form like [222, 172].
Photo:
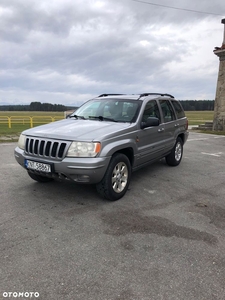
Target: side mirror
[151, 121]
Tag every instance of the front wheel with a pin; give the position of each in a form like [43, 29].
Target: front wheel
[39, 178]
[174, 158]
[116, 179]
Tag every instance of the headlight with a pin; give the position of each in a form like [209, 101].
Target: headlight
[82, 149]
[21, 142]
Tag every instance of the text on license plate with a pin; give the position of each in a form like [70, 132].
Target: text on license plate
[33, 165]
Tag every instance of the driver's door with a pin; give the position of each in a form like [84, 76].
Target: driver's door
[151, 139]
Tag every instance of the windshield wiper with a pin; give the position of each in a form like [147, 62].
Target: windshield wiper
[101, 118]
[78, 117]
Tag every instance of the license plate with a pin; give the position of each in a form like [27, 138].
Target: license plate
[38, 166]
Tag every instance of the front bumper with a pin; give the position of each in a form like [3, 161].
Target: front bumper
[81, 170]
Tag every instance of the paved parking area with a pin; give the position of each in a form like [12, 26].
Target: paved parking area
[164, 240]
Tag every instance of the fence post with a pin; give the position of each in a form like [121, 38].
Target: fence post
[31, 122]
[9, 121]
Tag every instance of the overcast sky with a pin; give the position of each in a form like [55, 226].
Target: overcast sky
[67, 51]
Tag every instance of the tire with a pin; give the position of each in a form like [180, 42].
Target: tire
[116, 179]
[174, 158]
[39, 178]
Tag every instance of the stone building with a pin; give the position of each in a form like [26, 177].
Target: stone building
[219, 110]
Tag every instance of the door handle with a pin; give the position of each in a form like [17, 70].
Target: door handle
[161, 130]
[176, 125]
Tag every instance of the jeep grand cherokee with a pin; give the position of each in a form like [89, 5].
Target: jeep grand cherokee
[106, 139]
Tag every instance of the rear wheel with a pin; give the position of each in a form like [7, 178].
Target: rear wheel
[39, 178]
[117, 178]
[174, 158]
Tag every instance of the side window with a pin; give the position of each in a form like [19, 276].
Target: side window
[178, 109]
[167, 110]
[151, 110]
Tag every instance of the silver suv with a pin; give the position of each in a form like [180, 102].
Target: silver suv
[106, 139]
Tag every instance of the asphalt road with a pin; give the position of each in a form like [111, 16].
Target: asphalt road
[165, 239]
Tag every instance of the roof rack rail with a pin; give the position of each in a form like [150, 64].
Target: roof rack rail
[105, 95]
[160, 94]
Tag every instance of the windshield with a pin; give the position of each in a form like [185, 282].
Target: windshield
[109, 110]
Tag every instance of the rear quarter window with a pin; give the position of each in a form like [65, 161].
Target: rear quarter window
[178, 109]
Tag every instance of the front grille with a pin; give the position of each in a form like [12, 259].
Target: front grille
[46, 148]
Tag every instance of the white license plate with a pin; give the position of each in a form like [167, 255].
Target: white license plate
[37, 166]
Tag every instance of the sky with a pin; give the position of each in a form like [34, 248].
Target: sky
[68, 51]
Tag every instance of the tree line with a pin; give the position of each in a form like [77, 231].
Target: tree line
[35, 106]
[197, 105]
[188, 105]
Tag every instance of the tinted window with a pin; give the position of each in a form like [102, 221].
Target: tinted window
[167, 110]
[151, 110]
[178, 109]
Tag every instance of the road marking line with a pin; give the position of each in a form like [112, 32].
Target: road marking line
[201, 139]
[150, 191]
[219, 137]
[213, 154]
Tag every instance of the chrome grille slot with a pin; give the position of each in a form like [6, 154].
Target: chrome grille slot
[54, 149]
[41, 151]
[31, 146]
[36, 147]
[46, 148]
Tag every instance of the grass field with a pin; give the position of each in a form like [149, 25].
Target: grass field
[21, 120]
[199, 117]
[32, 113]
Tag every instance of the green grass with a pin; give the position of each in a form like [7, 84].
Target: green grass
[21, 120]
[32, 113]
[199, 117]
[212, 132]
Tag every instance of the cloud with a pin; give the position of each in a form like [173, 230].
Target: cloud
[66, 51]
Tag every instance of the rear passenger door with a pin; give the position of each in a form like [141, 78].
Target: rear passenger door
[169, 123]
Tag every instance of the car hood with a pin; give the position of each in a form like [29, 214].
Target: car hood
[72, 129]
